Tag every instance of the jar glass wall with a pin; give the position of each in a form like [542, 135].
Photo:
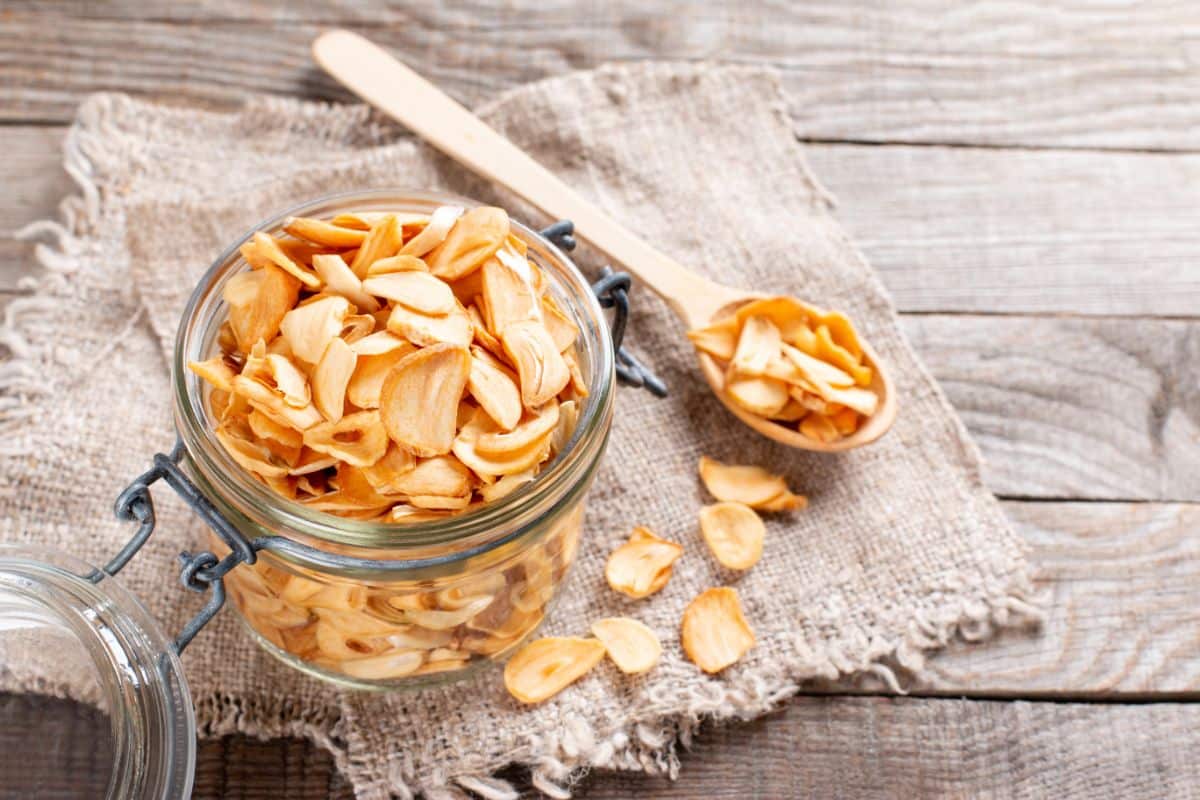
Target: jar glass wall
[68, 629]
[437, 598]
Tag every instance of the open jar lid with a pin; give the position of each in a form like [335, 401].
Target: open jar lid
[68, 630]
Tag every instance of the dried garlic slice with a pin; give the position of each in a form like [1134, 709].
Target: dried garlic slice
[425, 329]
[714, 633]
[488, 467]
[819, 427]
[251, 456]
[282, 375]
[494, 387]
[437, 619]
[383, 240]
[540, 366]
[562, 330]
[379, 343]
[817, 371]
[270, 402]
[419, 398]
[632, 646]
[393, 264]
[473, 239]
[753, 486]
[483, 336]
[734, 534]
[434, 233]
[321, 232]
[358, 439]
[217, 373]
[568, 418]
[308, 328]
[845, 421]
[370, 373]
[536, 428]
[271, 431]
[258, 302]
[392, 664]
[438, 502]
[765, 397]
[340, 279]
[440, 476]
[788, 314]
[839, 356]
[642, 565]
[861, 400]
[508, 293]
[543, 668]
[505, 485]
[419, 291]
[758, 344]
[330, 378]
[718, 340]
[264, 251]
[385, 474]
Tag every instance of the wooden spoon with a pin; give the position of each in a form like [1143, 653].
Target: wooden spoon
[381, 80]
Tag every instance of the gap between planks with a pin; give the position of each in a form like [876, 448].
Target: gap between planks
[1072, 74]
[862, 748]
[980, 232]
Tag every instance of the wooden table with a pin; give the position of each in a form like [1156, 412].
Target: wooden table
[1027, 181]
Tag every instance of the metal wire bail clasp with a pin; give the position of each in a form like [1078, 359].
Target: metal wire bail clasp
[612, 290]
[198, 572]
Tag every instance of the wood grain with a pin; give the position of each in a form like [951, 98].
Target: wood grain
[948, 229]
[73, 759]
[886, 748]
[241, 768]
[829, 747]
[1095, 408]
[970, 229]
[1121, 583]
[1072, 74]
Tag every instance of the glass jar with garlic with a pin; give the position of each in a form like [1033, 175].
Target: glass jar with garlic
[411, 381]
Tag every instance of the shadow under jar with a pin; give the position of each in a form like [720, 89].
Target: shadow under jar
[440, 598]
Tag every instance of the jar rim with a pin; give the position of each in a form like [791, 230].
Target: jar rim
[572, 465]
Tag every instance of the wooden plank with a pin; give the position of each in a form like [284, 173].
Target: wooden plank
[1095, 408]
[949, 229]
[241, 768]
[885, 748]
[1068, 74]
[53, 748]
[969, 229]
[867, 747]
[34, 183]
[1122, 584]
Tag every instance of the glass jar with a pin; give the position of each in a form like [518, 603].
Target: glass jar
[373, 605]
[69, 629]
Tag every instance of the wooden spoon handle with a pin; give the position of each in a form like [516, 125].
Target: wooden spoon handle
[384, 82]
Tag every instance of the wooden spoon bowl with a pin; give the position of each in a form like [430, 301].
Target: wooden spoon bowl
[377, 77]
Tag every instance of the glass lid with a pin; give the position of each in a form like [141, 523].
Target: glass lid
[93, 701]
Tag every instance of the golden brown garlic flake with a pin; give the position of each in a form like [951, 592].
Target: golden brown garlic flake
[749, 485]
[632, 646]
[394, 367]
[794, 364]
[543, 668]
[642, 565]
[714, 633]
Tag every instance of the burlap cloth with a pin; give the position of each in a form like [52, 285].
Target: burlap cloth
[901, 549]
